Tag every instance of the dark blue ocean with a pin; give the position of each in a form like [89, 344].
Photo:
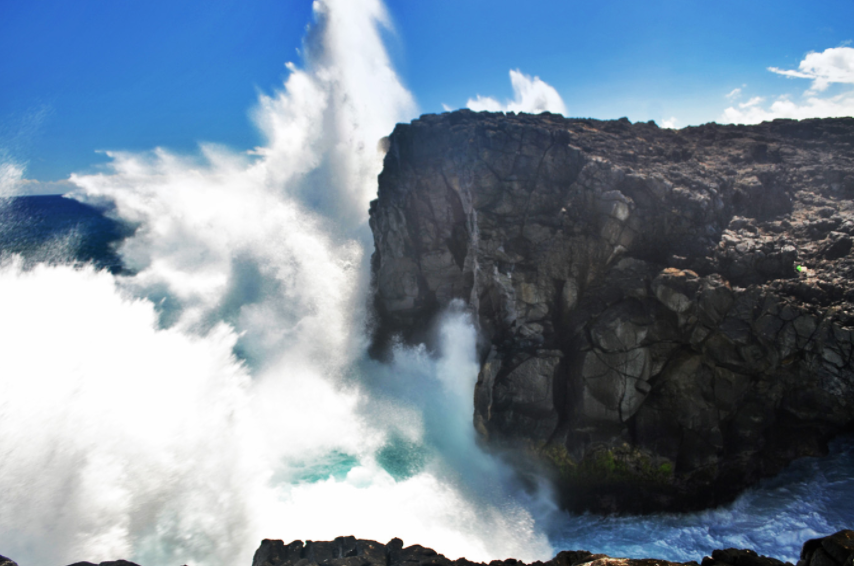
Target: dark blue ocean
[47, 228]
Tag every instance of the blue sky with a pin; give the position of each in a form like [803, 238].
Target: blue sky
[77, 77]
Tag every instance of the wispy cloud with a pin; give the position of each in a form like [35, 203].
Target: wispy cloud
[734, 93]
[670, 123]
[756, 100]
[530, 94]
[832, 66]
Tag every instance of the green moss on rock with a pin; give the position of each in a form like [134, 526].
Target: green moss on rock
[621, 465]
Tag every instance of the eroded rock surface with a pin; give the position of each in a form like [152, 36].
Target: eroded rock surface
[667, 316]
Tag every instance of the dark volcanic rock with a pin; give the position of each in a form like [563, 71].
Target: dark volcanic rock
[667, 316]
[835, 550]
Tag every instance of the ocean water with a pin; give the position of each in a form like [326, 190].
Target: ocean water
[813, 497]
[184, 366]
[49, 228]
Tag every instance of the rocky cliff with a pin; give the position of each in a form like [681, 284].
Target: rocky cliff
[666, 316]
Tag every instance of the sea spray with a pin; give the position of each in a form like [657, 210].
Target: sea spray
[156, 444]
[217, 393]
[112, 431]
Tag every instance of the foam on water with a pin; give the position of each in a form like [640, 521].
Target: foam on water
[219, 392]
[814, 497]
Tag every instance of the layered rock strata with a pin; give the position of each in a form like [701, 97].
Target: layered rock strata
[666, 316]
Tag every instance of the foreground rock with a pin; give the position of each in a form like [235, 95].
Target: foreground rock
[834, 550]
[666, 316]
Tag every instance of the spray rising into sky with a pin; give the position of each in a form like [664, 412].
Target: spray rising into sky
[221, 394]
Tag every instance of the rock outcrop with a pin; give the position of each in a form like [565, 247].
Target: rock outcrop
[834, 550]
[666, 316]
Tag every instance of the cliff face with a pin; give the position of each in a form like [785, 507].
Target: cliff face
[666, 315]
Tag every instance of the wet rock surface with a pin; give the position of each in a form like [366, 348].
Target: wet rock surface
[667, 316]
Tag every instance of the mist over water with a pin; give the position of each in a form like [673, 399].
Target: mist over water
[219, 392]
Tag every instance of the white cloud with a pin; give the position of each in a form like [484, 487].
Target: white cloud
[834, 65]
[531, 95]
[670, 123]
[735, 93]
[447, 108]
[783, 107]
